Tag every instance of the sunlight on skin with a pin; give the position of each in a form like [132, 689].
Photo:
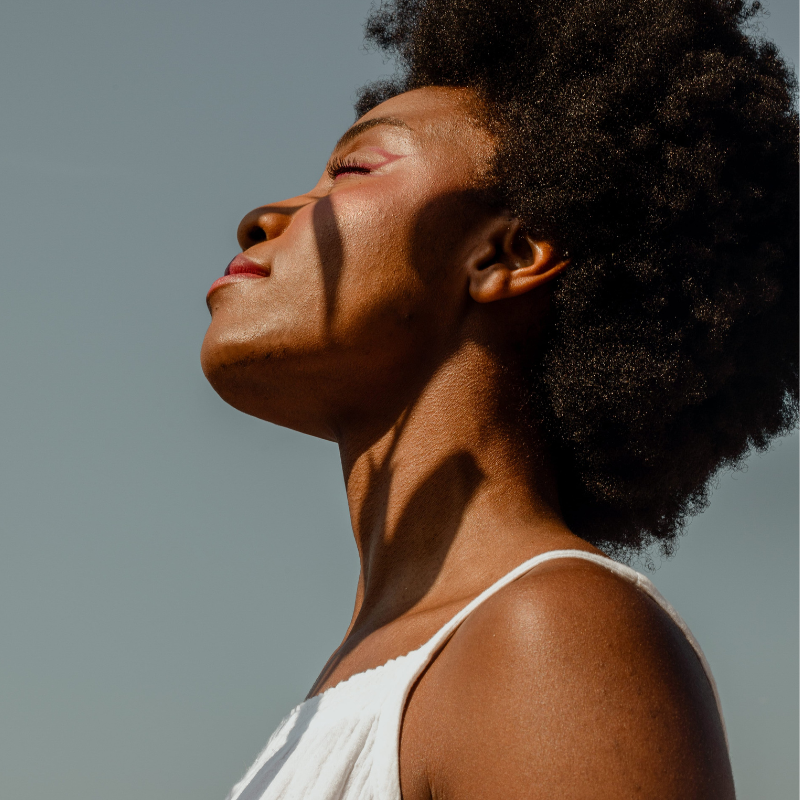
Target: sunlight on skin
[394, 351]
[385, 310]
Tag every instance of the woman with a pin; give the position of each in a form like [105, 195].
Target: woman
[544, 290]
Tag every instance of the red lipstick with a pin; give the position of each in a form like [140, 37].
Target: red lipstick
[240, 269]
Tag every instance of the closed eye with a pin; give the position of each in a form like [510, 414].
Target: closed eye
[343, 166]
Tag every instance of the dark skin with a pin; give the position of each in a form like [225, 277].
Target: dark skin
[389, 322]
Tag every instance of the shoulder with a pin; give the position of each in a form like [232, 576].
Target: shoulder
[567, 681]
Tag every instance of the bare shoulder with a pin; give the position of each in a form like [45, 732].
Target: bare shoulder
[569, 682]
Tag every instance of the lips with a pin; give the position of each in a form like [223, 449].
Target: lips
[240, 269]
[241, 265]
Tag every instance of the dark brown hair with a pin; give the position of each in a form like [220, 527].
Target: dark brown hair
[656, 142]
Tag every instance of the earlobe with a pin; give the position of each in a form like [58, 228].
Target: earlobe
[510, 263]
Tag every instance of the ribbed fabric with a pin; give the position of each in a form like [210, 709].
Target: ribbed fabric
[344, 743]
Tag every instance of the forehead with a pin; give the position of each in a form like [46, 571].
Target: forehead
[438, 116]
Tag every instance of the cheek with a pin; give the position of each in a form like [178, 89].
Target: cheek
[364, 254]
[344, 285]
[337, 269]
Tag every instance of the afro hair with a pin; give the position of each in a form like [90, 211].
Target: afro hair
[655, 141]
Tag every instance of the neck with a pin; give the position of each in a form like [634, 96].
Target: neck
[446, 493]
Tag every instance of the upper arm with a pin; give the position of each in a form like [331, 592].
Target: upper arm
[569, 683]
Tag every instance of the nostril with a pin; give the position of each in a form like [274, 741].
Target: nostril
[256, 235]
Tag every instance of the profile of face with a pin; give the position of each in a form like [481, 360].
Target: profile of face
[346, 298]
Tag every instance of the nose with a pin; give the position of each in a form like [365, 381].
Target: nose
[267, 222]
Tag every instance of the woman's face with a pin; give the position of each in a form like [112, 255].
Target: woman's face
[345, 298]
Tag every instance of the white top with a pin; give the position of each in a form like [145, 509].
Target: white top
[345, 743]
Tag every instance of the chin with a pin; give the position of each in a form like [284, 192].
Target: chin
[254, 383]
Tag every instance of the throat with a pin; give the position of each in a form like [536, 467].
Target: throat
[445, 498]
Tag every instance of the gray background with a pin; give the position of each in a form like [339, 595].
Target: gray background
[172, 573]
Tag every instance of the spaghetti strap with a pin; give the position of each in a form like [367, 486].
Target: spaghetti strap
[344, 744]
[440, 638]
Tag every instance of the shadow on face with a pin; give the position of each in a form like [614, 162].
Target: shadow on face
[363, 293]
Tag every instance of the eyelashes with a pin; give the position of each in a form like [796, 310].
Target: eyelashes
[344, 166]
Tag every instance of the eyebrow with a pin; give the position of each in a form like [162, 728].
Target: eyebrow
[360, 127]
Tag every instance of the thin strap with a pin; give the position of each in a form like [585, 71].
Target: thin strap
[439, 639]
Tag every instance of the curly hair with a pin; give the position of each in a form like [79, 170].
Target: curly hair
[656, 142]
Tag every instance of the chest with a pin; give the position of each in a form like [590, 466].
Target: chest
[375, 645]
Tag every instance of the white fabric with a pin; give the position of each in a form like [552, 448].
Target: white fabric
[344, 743]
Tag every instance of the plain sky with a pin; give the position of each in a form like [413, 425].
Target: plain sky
[174, 574]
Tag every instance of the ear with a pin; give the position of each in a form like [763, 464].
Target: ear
[508, 262]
